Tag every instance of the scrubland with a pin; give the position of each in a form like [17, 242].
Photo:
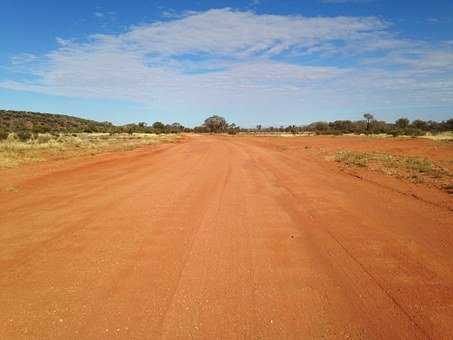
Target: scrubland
[14, 152]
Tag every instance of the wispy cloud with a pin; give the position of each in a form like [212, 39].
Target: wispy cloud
[246, 62]
[345, 1]
[105, 18]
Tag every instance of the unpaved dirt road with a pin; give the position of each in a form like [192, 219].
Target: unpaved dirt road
[219, 238]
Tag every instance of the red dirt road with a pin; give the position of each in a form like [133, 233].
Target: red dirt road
[219, 238]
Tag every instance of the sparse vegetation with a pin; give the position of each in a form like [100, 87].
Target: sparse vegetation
[22, 122]
[363, 159]
[3, 134]
[352, 158]
[14, 151]
[23, 135]
[16, 121]
[413, 168]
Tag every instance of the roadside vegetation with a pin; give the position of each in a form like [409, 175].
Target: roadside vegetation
[416, 169]
[15, 150]
[29, 136]
[28, 123]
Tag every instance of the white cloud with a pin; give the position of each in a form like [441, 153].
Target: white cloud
[239, 61]
[241, 34]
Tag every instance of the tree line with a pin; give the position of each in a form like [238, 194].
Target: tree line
[371, 125]
[368, 125]
[26, 124]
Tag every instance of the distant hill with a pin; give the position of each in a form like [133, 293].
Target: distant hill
[46, 122]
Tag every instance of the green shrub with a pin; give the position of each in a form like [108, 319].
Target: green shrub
[23, 135]
[3, 134]
[414, 132]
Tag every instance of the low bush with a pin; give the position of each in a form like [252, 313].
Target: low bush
[23, 135]
[3, 134]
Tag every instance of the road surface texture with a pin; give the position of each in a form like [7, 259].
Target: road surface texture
[219, 238]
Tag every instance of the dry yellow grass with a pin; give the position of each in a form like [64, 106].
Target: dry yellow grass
[444, 136]
[14, 152]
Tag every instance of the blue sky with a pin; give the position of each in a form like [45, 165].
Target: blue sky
[268, 62]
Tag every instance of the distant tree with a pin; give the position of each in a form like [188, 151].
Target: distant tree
[402, 123]
[215, 124]
[200, 129]
[419, 124]
[380, 126]
[344, 126]
[319, 126]
[175, 128]
[448, 125]
[434, 126]
[233, 129]
[258, 127]
[369, 117]
[159, 126]
[358, 126]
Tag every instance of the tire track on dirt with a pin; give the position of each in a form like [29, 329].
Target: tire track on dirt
[296, 210]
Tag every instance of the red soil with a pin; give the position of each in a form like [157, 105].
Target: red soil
[224, 237]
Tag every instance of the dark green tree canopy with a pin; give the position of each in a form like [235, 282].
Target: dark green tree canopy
[216, 124]
[402, 123]
[368, 116]
[158, 126]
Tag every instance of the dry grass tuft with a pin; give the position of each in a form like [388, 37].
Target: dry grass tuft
[443, 136]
